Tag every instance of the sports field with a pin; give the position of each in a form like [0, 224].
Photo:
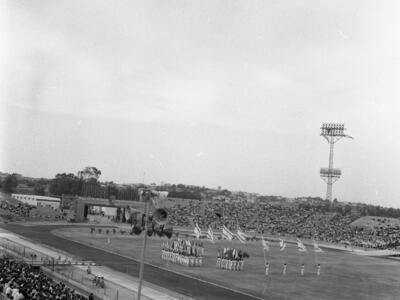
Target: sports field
[343, 275]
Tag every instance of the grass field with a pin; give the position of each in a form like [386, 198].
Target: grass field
[343, 275]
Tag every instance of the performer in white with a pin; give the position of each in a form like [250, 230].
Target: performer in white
[241, 265]
[319, 269]
[266, 268]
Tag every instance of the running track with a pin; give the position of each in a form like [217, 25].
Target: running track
[169, 280]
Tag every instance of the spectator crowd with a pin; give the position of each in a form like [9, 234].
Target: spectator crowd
[14, 210]
[20, 209]
[306, 222]
[19, 280]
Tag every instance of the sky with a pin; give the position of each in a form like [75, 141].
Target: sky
[209, 93]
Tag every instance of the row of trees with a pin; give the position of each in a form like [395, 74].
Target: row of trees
[66, 184]
[71, 184]
[86, 183]
[10, 183]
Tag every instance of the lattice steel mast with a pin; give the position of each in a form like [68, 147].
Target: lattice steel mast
[332, 132]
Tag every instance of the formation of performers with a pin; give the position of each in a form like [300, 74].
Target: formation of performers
[284, 269]
[188, 253]
[231, 259]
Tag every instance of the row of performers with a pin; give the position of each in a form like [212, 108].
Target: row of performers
[231, 259]
[181, 259]
[184, 247]
[184, 252]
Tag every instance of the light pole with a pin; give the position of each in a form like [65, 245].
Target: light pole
[146, 196]
[332, 132]
[159, 218]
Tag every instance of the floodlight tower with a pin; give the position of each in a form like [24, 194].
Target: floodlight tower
[332, 132]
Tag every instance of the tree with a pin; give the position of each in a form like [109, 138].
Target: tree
[65, 184]
[89, 174]
[112, 189]
[39, 189]
[10, 183]
[40, 186]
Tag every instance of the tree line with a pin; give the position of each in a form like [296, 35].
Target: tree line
[86, 183]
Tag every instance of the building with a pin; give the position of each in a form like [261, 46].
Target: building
[36, 200]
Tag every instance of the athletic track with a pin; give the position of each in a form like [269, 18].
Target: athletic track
[164, 278]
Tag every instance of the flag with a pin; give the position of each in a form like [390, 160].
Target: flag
[241, 236]
[197, 231]
[282, 245]
[264, 244]
[317, 248]
[234, 253]
[241, 239]
[210, 234]
[300, 246]
[226, 234]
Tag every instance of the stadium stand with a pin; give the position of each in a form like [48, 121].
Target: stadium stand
[307, 223]
[15, 210]
[19, 280]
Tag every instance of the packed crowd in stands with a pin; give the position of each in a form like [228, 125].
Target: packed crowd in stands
[18, 209]
[19, 280]
[292, 220]
[275, 219]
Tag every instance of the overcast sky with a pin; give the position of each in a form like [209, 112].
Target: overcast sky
[214, 93]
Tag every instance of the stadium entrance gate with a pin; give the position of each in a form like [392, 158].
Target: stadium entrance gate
[81, 205]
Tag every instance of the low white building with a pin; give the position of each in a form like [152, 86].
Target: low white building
[36, 200]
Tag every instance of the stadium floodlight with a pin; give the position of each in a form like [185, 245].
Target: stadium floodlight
[332, 132]
[326, 172]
